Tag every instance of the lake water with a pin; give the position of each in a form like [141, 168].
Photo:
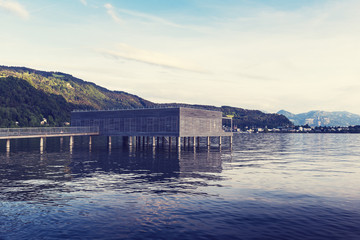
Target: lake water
[270, 186]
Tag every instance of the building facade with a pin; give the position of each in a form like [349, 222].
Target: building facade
[177, 122]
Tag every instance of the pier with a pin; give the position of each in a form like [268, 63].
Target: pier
[151, 127]
[45, 132]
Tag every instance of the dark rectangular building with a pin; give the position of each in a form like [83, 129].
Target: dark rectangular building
[177, 122]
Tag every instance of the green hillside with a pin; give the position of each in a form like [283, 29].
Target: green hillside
[74, 90]
[23, 105]
[28, 96]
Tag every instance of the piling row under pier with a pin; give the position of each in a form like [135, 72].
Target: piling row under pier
[42, 142]
[154, 141]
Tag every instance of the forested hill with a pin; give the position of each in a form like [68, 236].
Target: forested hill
[243, 118]
[29, 96]
[76, 91]
[23, 105]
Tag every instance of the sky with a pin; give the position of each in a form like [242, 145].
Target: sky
[257, 54]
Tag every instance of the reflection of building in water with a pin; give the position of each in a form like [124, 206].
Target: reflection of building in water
[204, 161]
[31, 178]
[37, 175]
[152, 160]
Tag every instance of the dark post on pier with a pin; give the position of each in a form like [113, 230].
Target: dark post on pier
[135, 125]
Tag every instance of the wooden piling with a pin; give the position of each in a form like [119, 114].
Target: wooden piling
[7, 145]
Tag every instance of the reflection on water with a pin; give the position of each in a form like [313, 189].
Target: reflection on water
[27, 175]
[270, 186]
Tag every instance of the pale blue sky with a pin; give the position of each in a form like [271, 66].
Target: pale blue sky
[260, 54]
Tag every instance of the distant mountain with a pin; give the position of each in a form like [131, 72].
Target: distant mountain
[28, 97]
[322, 118]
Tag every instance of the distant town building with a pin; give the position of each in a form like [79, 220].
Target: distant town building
[44, 121]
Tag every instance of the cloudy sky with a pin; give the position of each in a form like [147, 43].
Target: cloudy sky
[257, 54]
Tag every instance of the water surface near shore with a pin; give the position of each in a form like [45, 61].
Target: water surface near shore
[270, 186]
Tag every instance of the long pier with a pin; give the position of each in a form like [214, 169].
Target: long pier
[42, 133]
[136, 126]
[45, 132]
[16, 133]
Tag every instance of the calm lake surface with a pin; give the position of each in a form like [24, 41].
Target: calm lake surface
[270, 186]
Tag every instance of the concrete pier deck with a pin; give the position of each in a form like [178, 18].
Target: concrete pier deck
[16, 133]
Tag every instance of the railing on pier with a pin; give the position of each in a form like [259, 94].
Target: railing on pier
[48, 131]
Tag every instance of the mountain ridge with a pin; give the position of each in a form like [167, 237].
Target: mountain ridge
[75, 90]
[74, 93]
[323, 118]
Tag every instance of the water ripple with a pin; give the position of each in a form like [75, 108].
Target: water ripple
[271, 186]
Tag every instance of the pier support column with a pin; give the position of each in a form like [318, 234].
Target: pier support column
[7, 145]
[208, 141]
[194, 141]
[153, 142]
[109, 141]
[41, 145]
[138, 141]
[61, 142]
[219, 140]
[178, 141]
[127, 140]
[130, 142]
[90, 143]
[71, 143]
[231, 140]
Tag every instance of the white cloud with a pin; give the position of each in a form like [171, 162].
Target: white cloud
[15, 8]
[112, 13]
[269, 60]
[146, 18]
[125, 51]
[264, 58]
[84, 2]
[152, 18]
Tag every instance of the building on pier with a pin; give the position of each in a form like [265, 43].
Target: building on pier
[177, 122]
[136, 125]
[159, 122]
